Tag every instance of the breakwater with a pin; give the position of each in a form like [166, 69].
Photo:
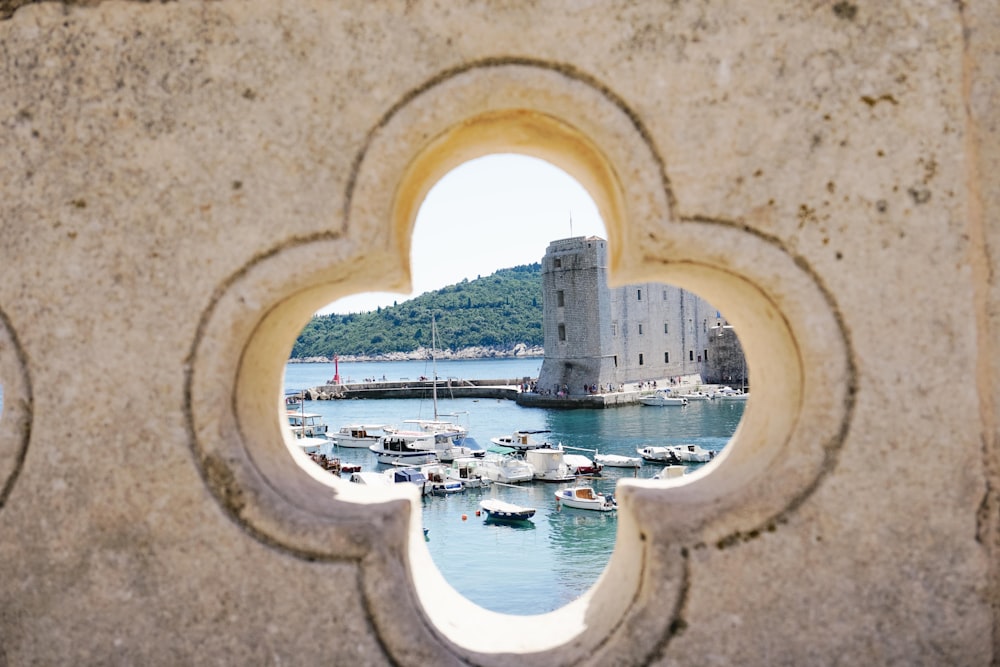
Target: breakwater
[507, 389]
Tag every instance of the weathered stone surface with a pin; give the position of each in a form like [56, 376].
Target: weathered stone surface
[181, 184]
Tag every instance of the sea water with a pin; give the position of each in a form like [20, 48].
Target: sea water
[540, 565]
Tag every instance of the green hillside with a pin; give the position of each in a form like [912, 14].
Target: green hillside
[498, 311]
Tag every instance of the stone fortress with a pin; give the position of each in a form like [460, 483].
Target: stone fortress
[183, 184]
[602, 336]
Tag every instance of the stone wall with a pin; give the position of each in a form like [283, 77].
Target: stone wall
[184, 184]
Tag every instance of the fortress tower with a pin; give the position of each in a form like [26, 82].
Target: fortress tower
[600, 335]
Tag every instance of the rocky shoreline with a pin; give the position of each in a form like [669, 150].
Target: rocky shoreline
[421, 353]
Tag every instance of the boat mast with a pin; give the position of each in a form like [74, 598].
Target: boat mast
[434, 383]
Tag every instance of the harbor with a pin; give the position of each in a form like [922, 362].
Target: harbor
[533, 566]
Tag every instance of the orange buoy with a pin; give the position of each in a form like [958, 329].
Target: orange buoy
[477, 512]
[464, 517]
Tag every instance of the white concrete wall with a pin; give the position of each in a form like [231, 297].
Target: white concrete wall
[183, 184]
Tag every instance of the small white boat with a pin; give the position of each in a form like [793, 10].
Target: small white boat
[467, 472]
[671, 472]
[549, 465]
[376, 479]
[661, 398]
[307, 424]
[439, 481]
[658, 455]
[499, 510]
[697, 396]
[311, 445]
[522, 441]
[405, 449]
[506, 469]
[409, 476]
[357, 436]
[692, 453]
[585, 498]
[618, 460]
[730, 394]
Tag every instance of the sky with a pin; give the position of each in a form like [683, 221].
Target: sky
[491, 213]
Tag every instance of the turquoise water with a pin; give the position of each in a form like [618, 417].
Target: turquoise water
[541, 566]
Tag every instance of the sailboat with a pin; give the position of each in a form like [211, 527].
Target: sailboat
[450, 440]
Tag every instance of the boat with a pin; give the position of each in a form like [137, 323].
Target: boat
[658, 455]
[727, 394]
[506, 469]
[467, 472]
[449, 437]
[439, 481]
[498, 510]
[369, 479]
[661, 398]
[671, 472]
[692, 453]
[307, 424]
[358, 436]
[580, 465]
[409, 476]
[549, 464]
[446, 445]
[311, 445]
[406, 449]
[585, 498]
[618, 460]
[293, 399]
[522, 441]
[697, 396]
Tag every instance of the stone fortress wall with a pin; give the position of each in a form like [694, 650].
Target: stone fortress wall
[183, 184]
[607, 336]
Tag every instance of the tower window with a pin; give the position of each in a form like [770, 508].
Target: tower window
[690, 355]
[640, 359]
[614, 328]
[666, 357]
[562, 332]
[706, 355]
[640, 329]
[557, 262]
[666, 328]
[560, 299]
[640, 295]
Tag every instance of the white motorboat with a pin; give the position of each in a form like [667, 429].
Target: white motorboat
[506, 469]
[409, 476]
[311, 445]
[357, 436]
[498, 510]
[439, 481]
[467, 472]
[697, 396]
[405, 449]
[658, 455]
[446, 445]
[375, 479]
[661, 398]
[692, 453]
[522, 441]
[732, 395]
[549, 465]
[618, 460]
[585, 498]
[671, 472]
[307, 424]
